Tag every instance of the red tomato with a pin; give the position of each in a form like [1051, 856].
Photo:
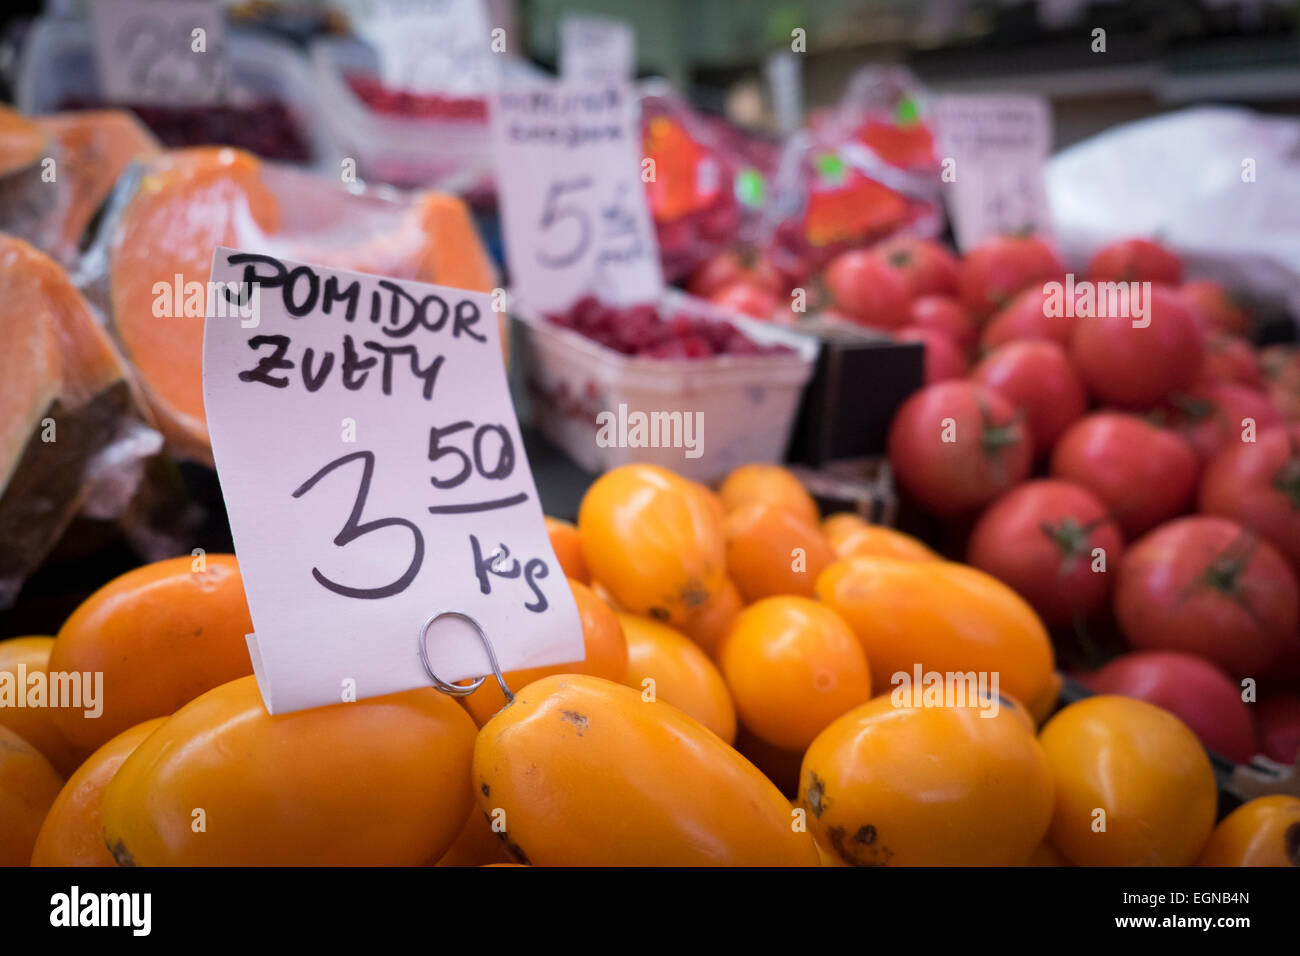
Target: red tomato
[1039, 539]
[746, 296]
[1257, 484]
[1215, 417]
[956, 446]
[1231, 360]
[926, 267]
[1143, 474]
[1189, 687]
[1215, 308]
[1135, 260]
[716, 273]
[1037, 377]
[1208, 586]
[1279, 728]
[1136, 367]
[998, 268]
[944, 314]
[1025, 317]
[866, 288]
[943, 359]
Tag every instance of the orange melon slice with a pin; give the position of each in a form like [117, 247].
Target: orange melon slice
[94, 147]
[22, 142]
[63, 392]
[190, 201]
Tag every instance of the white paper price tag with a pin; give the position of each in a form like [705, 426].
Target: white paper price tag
[159, 51]
[374, 474]
[572, 201]
[998, 148]
[596, 49]
[429, 46]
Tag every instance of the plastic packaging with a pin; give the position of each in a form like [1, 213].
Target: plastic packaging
[57, 66]
[746, 404]
[707, 187]
[861, 172]
[1220, 187]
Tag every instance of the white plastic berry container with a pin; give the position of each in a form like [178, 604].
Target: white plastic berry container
[745, 404]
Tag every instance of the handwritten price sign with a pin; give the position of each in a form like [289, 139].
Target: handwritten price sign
[429, 46]
[573, 205]
[159, 51]
[1000, 146]
[374, 475]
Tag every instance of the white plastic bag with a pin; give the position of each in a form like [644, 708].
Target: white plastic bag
[1219, 186]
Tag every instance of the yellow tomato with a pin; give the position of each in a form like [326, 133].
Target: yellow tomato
[28, 785]
[28, 656]
[927, 786]
[856, 538]
[1263, 832]
[588, 774]
[945, 618]
[653, 540]
[771, 551]
[768, 484]
[73, 832]
[568, 549]
[603, 643]
[709, 623]
[378, 782]
[670, 667]
[793, 666]
[1133, 785]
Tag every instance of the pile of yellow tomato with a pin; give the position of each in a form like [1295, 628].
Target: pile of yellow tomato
[739, 704]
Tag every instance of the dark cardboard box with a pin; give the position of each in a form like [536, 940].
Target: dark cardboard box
[861, 378]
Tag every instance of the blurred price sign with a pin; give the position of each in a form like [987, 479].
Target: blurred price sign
[573, 203]
[159, 51]
[596, 49]
[429, 46]
[374, 476]
[993, 151]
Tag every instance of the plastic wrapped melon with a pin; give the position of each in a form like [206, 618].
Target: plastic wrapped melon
[171, 212]
[69, 419]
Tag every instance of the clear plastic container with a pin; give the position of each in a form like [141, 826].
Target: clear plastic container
[58, 65]
[747, 403]
[453, 155]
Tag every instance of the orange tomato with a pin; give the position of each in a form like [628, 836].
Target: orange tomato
[378, 782]
[682, 674]
[793, 666]
[709, 623]
[1133, 785]
[771, 551]
[835, 526]
[768, 484]
[73, 833]
[477, 845]
[34, 724]
[28, 785]
[944, 617]
[589, 774]
[602, 637]
[161, 635]
[1263, 832]
[653, 540]
[850, 540]
[568, 549]
[927, 786]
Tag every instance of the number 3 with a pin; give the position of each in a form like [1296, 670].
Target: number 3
[354, 528]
